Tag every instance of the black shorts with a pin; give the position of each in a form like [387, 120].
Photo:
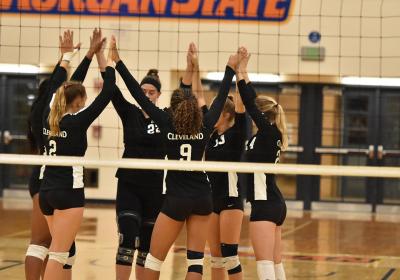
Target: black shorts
[180, 208]
[144, 201]
[227, 203]
[268, 210]
[34, 181]
[61, 199]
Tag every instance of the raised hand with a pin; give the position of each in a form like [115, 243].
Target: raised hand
[96, 43]
[113, 55]
[67, 42]
[194, 55]
[189, 64]
[233, 60]
[244, 58]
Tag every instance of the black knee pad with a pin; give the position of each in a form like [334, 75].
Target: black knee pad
[128, 229]
[71, 257]
[231, 258]
[145, 239]
[141, 258]
[195, 261]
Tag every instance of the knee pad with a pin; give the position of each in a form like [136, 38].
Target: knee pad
[37, 251]
[217, 262]
[128, 229]
[60, 257]
[195, 261]
[153, 263]
[71, 257]
[231, 258]
[141, 258]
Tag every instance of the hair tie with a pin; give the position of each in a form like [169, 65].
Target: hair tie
[66, 85]
[187, 93]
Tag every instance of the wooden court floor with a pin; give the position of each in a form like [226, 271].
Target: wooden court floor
[317, 245]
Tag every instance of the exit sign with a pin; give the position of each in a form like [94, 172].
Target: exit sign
[312, 53]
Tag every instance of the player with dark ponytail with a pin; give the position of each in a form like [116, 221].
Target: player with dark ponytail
[188, 197]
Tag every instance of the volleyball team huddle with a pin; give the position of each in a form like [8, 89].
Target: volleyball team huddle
[152, 207]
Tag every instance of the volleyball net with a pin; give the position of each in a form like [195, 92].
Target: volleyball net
[347, 47]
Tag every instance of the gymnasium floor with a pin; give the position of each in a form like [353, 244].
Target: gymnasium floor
[317, 245]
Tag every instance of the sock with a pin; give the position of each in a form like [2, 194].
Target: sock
[265, 270]
[280, 272]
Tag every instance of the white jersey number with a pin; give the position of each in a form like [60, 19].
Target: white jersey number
[219, 141]
[152, 128]
[251, 144]
[52, 148]
[186, 152]
[278, 154]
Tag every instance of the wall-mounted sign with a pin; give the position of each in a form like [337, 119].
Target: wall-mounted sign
[312, 53]
[252, 10]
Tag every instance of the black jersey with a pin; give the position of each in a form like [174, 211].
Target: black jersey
[182, 147]
[36, 115]
[263, 147]
[72, 139]
[227, 146]
[142, 139]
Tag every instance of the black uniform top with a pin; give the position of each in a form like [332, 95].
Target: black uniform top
[36, 115]
[227, 146]
[72, 140]
[264, 147]
[182, 147]
[142, 139]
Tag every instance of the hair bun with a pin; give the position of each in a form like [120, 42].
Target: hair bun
[153, 72]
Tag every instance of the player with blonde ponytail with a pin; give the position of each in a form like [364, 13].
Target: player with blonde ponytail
[268, 208]
[65, 124]
[37, 251]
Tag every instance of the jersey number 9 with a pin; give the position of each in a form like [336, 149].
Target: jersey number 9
[186, 152]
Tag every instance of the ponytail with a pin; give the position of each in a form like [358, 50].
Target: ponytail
[280, 122]
[64, 96]
[187, 117]
[274, 113]
[58, 109]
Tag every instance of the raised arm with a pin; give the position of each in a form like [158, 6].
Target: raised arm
[197, 86]
[156, 114]
[240, 122]
[212, 116]
[86, 116]
[96, 43]
[187, 76]
[247, 92]
[119, 102]
[59, 75]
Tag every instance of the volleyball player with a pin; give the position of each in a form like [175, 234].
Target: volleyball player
[40, 235]
[268, 208]
[139, 192]
[185, 133]
[65, 124]
[226, 144]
